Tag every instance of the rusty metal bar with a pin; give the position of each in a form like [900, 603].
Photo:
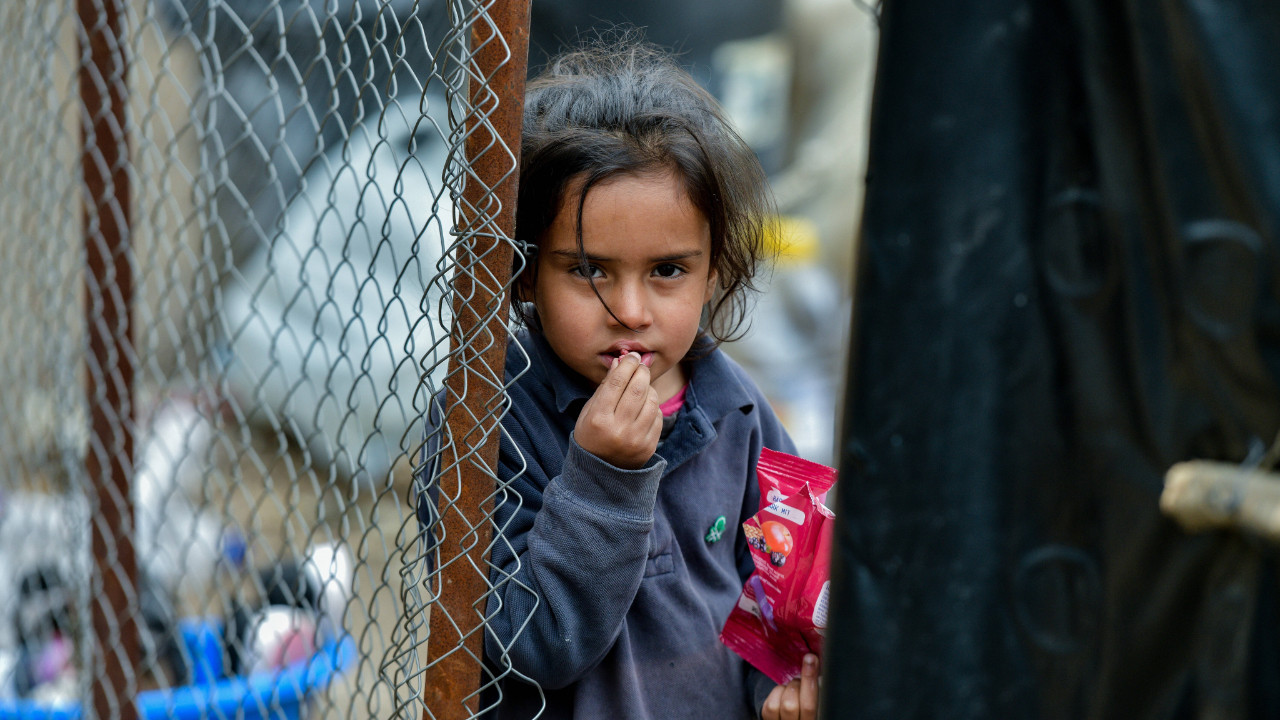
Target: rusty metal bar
[475, 379]
[108, 297]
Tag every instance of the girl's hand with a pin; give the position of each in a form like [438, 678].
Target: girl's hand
[798, 699]
[621, 423]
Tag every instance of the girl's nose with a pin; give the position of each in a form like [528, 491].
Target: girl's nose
[630, 306]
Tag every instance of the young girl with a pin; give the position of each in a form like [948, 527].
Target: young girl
[631, 438]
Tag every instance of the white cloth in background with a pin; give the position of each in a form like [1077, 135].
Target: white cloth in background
[330, 326]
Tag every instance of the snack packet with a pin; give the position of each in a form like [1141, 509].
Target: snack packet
[782, 612]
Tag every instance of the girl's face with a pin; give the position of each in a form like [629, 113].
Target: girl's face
[649, 253]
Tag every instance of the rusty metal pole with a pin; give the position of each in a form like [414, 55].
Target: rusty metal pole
[474, 383]
[108, 297]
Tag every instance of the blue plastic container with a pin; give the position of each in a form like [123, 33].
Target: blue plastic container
[278, 695]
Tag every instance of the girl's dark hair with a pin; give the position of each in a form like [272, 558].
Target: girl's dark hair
[620, 106]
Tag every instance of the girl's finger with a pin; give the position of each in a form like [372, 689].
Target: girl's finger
[772, 709]
[652, 433]
[634, 397]
[809, 688]
[613, 388]
[791, 701]
[654, 407]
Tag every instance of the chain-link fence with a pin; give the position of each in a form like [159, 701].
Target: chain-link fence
[244, 243]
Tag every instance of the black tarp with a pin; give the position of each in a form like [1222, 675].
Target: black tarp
[1068, 281]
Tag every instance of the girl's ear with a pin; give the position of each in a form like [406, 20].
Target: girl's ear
[712, 279]
[524, 286]
[522, 295]
[526, 273]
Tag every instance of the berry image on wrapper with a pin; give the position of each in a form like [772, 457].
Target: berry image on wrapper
[777, 538]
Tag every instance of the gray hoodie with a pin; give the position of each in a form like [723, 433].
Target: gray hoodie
[609, 597]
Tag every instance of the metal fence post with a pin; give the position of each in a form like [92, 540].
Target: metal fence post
[110, 371]
[475, 378]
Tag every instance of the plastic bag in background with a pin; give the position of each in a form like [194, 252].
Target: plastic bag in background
[781, 614]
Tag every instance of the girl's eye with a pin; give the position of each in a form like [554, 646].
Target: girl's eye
[590, 271]
[668, 270]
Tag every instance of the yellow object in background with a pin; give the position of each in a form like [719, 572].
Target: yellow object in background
[793, 239]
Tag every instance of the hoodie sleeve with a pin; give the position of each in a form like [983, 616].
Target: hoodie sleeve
[570, 555]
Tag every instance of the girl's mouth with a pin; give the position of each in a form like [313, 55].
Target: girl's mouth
[607, 358]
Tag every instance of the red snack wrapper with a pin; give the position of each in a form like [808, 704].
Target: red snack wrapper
[782, 612]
